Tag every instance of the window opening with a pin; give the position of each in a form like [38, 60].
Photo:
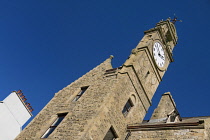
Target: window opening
[54, 125]
[127, 107]
[111, 134]
[82, 91]
[173, 116]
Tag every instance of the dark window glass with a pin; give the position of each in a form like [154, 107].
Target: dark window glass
[54, 125]
[172, 118]
[82, 91]
[127, 107]
[110, 135]
[58, 121]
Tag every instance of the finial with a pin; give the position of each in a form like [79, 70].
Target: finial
[174, 20]
[111, 56]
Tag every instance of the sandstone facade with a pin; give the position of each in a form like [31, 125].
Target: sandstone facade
[105, 102]
[167, 124]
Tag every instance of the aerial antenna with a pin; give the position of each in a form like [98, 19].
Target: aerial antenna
[175, 19]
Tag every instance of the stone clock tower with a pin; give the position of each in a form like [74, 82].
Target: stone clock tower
[101, 103]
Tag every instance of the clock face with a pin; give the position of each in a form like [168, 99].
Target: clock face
[159, 55]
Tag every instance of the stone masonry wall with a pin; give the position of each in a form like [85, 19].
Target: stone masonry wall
[181, 134]
[111, 115]
[62, 103]
[100, 107]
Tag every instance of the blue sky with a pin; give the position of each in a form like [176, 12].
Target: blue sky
[47, 44]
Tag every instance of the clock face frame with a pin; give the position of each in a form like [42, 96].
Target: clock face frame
[158, 54]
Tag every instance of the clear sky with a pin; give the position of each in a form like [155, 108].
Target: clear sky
[47, 44]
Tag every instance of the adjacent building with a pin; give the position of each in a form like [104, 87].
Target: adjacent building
[15, 112]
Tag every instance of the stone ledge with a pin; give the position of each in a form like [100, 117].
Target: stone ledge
[187, 125]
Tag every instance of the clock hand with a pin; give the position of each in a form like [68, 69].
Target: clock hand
[162, 57]
[158, 51]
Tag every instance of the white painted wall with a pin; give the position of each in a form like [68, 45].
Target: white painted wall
[13, 115]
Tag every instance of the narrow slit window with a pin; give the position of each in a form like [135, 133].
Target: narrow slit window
[54, 125]
[82, 91]
[111, 134]
[127, 107]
